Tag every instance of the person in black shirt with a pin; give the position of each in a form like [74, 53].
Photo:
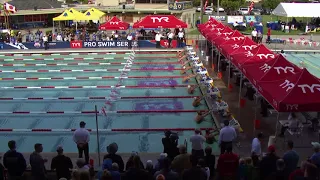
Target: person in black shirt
[112, 150]
[195, 173]
[136, 172]
[210, 160]
[170, 143]
[62, 164]
[14, 162]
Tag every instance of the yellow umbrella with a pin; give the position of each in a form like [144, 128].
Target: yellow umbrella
[95, 12]
[65, 16]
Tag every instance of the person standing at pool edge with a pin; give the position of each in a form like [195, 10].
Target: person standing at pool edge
[82, 137]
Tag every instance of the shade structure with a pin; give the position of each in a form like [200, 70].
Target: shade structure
[80, 16]
[236, 35]
[232, 44]
[296, 93]
[240, 48]
[160, 21]
[65, 16]
[114, 24]
[222, 35]
[296, 10]
[94, 12]
[211, 32]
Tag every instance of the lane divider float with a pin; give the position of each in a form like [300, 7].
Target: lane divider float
[85, 64]
[89, 78]
[91, 87]
[88, 70]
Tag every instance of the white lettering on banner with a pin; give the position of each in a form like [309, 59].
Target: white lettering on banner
[265, 67]
[219, 33]
[75, 44]
[311, 88]
[265, 56]
[227, 33]
[249, 47]
[102, 44]
[219, 29]
[114, 23]
[285, 69]
[249, 54]
[291, 107]
[227, 38]
[237, 38]
[159, 19]
[287, 84]
[235, 46]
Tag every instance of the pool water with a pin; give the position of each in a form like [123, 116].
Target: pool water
[62, 71]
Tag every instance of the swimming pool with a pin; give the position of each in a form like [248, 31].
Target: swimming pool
[44, 96]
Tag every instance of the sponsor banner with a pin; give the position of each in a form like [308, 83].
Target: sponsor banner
[233, 19]
[250, 19]
[218, 18]
[178, 6]
[107, 44]
[76, 44]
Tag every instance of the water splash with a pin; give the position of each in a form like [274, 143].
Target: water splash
[144, 139]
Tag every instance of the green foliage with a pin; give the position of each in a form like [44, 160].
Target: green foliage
[232, 5]
[271, 4]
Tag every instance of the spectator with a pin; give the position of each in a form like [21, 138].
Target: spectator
[81, 164]
[106, 175]
[242, 170]
[195, 172]
[2, 171]
[298, 173]
[269, 36]
[166, 171]
[256, 149]
[75, 174]
[203, 165]
[160, 177]
[107, 165]
[268, 163]
[291, 159]
[170, 143]
[228, 164]
[197, 141]
[280, 173]
[136, 172]
[14, 162]
[182, 161]
[130, 161]
[159, 164]
[38, 169]
[315, 158]
[61, 164]
[112, 149]
[210, 160]
[82, 137]
[149, 167]
[227, 136]
[84, 175]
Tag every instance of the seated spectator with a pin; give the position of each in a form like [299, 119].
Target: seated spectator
[149, 167]
[159, 164]
[166, 171]
[106, 175]
[170, 143]
[14, 162]
[280, 174]
[84, 175]
[75, 174]
[160, 177]
[81, 164]
[291, 159]
[195, 172]
[182, 161]
[129, 163]
[61, 164]
[268, 163]
[228, 164]
[38, 169]
[112, 150]
[298, 173]
[315, 158]
[107, 165]
[210, 160]
[136, 172]
[202, 164]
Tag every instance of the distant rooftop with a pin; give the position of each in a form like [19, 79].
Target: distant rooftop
[39, 4]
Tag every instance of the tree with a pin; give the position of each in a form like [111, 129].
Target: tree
[232, 5]
[271, 4]
[198, 2]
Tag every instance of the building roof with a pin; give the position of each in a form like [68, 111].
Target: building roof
[31, 4]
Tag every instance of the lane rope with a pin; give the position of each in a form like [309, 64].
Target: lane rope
[97, 98]
[89, 70]
[90, 78]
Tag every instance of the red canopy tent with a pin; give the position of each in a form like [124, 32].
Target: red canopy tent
[227, 31]
[225, 40]
[259, 54]
[232, 44]
[240, 47]
[213, 30]
[114, 24]
[204, 28]
[296, 93]
[160, 21]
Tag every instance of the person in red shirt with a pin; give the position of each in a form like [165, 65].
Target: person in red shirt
[269, 36]
[228, 164]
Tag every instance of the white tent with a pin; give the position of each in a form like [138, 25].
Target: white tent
[297, 10]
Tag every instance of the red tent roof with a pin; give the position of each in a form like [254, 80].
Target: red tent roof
[213, 30]
[114, 24]
[296, 93]
[160, 21]
[230, 39]
[256, 55]
[232, 44]
[219, 38]
[210, 22]
[241, 47]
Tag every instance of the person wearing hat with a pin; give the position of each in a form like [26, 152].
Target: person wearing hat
[315, 158]
[82, 137]
[268, 163]
[61, 164]
[112, 149]
[227, 136]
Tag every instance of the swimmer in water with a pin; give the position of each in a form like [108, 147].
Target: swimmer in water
[187, 78]
[185, 70]
[197, 101]
[201, 115]
[192, 88]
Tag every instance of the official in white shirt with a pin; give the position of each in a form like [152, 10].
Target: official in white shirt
[45, 41]
[158, 39]
[170, 38]
[129, 38]
[256, 148]
[180, 38]
[254, 34]
[82, 137]
[227, 136]
[197, 141]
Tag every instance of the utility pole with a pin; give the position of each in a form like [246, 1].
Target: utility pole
[201, 12]
[218, 7]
